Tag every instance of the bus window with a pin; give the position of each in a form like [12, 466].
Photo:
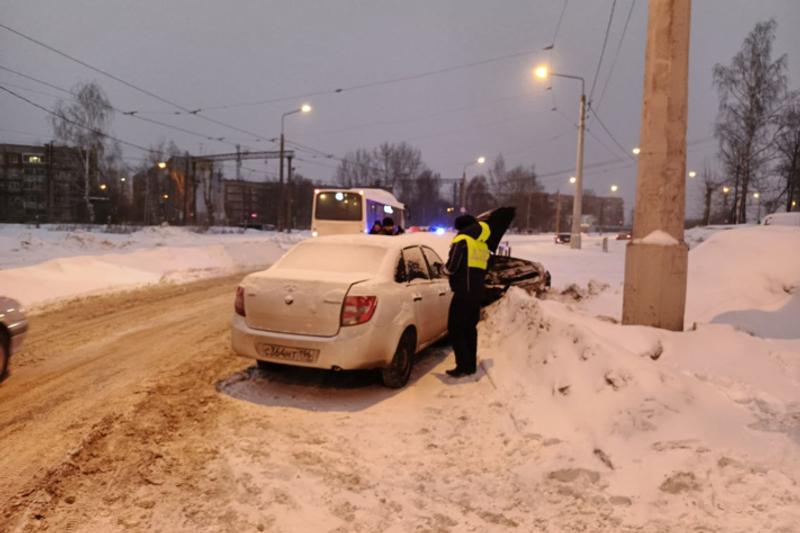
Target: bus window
[338, 206]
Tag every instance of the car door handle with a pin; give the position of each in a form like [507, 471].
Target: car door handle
[443, 293]
[417, 298]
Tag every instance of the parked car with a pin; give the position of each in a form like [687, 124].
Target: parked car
[13, 327]
[563, 238]
[624, 236]
[345, 302]
[782, 219]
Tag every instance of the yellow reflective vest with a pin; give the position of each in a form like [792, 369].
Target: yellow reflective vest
[477, 249]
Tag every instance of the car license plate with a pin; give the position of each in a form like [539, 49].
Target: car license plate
[288, 353]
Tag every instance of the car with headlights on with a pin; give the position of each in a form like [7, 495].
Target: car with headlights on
[345, 302]
[13, 327]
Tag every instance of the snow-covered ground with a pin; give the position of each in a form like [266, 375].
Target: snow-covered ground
[46, 264]
[574, 421]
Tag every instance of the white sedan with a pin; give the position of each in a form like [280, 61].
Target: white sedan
[345, 302]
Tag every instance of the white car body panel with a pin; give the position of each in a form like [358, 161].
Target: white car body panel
[312, 320]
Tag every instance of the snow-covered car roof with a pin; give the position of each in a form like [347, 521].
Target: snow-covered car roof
[386, 241]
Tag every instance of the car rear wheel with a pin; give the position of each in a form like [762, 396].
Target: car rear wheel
[5, 353]
[397, 373]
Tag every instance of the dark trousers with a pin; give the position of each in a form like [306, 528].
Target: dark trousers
[462, 322]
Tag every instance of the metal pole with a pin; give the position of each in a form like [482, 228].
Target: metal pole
[289, 198]
[238, 163]
[577, 204]
[558, 212]
[280, 183]
[463, 192]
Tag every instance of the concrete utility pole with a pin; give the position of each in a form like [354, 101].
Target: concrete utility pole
[656, 259]
[289, 196]
[577, 204]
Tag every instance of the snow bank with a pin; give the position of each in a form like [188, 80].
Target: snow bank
[750, 268]
[75, 263]
[658, 238]
[653, 416]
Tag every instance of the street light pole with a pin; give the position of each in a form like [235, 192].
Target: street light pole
[305, 108]
[543, 73]
[463, 194]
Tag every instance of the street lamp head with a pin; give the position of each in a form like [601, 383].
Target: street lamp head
[541, 72]
[123, 180]
[692, 173]
[305, 108]
[636, 151]
[481, 160]
[573, 179]
[726, 190]
[756, 195]
[166, 197]
[614, 188]
[162, 164]
[103, 186]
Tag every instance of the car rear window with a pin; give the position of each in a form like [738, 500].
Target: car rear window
[333, 258]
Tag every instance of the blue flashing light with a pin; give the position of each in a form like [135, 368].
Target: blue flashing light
[439, 231]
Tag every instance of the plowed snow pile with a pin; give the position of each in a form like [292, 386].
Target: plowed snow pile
[670, 426]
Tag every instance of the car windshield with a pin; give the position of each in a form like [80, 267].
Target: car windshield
[330, 257]
[338, 206]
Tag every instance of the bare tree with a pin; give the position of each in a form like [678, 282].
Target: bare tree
[423, 195]
[710, 184]
[479, 195]
[397, 162]
[787, 144]
[82, 122]
[751, 89]
[356, 169]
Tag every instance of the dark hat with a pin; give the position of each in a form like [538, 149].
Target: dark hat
[388, 221]
[464, 221]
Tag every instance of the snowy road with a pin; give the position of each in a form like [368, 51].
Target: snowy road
[129, 412]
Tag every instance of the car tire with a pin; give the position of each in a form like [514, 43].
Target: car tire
[395, 376]
[5, 353]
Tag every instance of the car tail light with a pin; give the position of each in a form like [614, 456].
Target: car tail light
[238, 305]
[358, 309]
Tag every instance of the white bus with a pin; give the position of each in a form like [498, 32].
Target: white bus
[337, 211]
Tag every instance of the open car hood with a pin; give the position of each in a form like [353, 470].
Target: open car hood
[498, 219]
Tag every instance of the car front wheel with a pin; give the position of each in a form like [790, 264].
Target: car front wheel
[397, 373]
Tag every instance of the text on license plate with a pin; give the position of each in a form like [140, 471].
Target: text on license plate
[288, 353]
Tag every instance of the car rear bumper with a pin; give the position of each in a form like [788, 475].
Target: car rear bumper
[354, 347]
[17, 332]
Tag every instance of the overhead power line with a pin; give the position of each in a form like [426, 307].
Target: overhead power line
[378, 83]
[120, 111]
[558, 26]
[603, 49]
[195, 112]
[616, 53]
[608, 132]
[84, 126]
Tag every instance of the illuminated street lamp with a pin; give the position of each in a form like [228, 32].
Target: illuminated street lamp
[726, 190]
[305, 108]
[463, 196]
[572, 179]
[614, 188]
[103, 186]
[542, 72]
[636, 151]
[162, 165]
[166, 197]
[692, 174]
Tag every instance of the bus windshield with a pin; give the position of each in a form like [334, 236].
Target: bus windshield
[338, 206]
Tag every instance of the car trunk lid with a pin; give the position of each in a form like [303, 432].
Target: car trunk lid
[306, 302]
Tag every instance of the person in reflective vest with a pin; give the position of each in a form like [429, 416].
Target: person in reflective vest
[466, 268]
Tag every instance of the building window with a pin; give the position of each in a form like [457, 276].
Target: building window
[33, 159]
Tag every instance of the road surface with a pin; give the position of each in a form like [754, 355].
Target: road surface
[129, 412]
